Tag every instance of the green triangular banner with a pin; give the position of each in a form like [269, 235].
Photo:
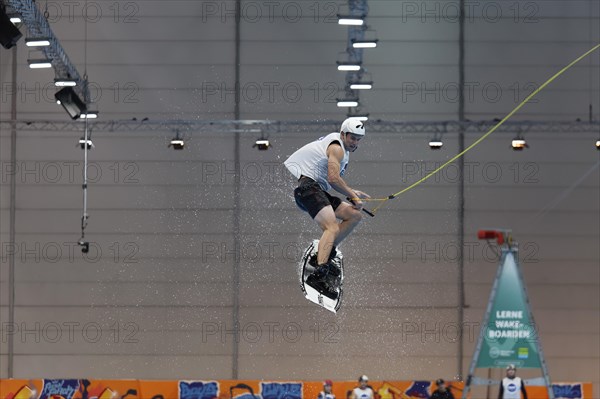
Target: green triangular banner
[510, 336]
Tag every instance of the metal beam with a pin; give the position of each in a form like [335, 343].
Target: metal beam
[357, 9]
[461, 188]
[237, 215]
[267, 126]
[38, 27]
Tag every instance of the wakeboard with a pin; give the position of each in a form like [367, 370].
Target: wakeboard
[307, 266]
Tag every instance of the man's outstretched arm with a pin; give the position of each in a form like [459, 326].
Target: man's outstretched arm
[335, 154]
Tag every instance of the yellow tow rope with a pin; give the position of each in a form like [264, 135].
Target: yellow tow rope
[479, 140]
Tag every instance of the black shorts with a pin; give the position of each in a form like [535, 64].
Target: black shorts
[311, 198]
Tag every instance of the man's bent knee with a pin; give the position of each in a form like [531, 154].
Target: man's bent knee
[333, 228]
[355, 216]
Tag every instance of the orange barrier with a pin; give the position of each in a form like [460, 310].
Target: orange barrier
[241, 389]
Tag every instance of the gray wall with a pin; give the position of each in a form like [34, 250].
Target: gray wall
[164, 220]
[164, 226]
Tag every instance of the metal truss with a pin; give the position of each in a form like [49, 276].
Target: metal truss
[268, 127]
[38, 27]
[357, 9]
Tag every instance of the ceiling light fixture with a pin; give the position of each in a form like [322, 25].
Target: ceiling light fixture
[357, 21]
[364, 43]
[89, 115]
[347, 103]
[64, 82]
[83, 141]
[177, 142]
[38, 42]
[70, 101]
[361, 86]
[262, 144]
[9, 34]
[39, 63]
[348, 67]
[519, 143]
[435, 144]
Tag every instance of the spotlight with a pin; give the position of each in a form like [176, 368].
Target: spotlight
[16, 20]
[519, 143]
[348, 67]
[64, 82]
[85, 246]
[357, 114]
[38, 42]
[89, 115]
[83, 141]
[262, 144]
[351, 20]
[39, 63]
[361, 86]
[435, 144]
[70, 102]
[9, 34]
[598, 144]
[347, 103]
[177, 142]
[364, 43]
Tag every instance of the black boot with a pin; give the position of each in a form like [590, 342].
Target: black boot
[333, 253]
[313, 259]
[320, 280]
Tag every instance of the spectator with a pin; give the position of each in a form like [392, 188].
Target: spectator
[363, 391]
[511, 386]
[442, 391]
[326, 392]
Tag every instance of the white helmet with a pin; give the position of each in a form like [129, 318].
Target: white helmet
[354, 126]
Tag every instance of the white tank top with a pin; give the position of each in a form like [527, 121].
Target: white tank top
[512, 388]
[366, 393]
[311, 160]
[323, 395]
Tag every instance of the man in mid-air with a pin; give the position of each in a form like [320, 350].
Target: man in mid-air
[319, 166]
